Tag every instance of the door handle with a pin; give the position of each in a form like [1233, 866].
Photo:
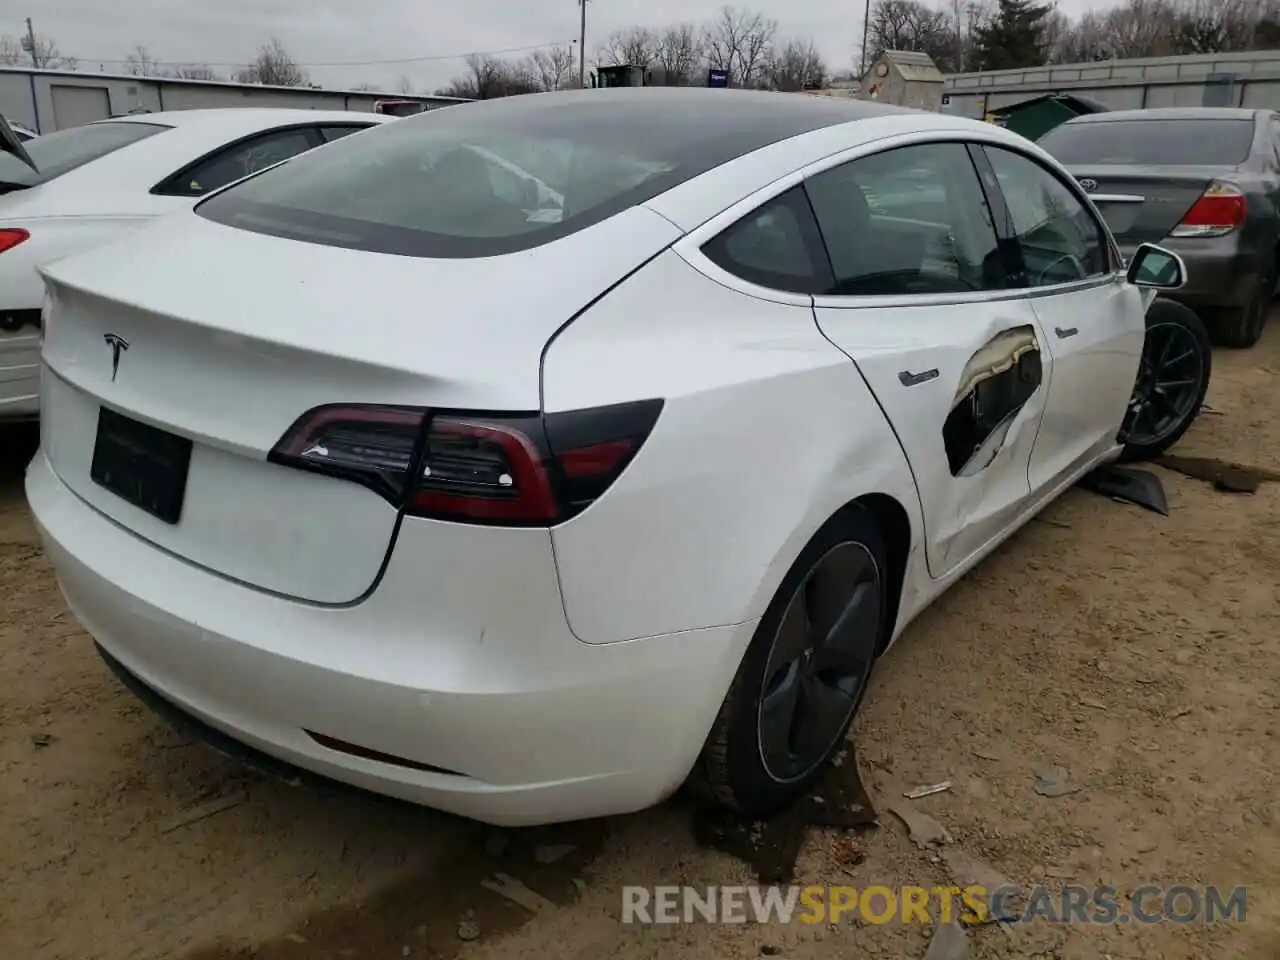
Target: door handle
[909, 379]
[1064, 332]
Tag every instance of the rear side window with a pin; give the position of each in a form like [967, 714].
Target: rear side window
[240, 160]
[1155, 143]
[64, 150]
[775, 246]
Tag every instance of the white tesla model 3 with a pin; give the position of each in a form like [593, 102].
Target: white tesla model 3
[531, 489]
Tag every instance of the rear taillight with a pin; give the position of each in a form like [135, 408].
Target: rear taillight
[502, 469]
[10, 237]
[1219, 211]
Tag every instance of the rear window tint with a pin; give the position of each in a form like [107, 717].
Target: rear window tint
[500, 176]
[1156, 143]
[64, 150]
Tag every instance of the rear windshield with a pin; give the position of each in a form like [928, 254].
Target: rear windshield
[63, 150]
[491, 178]
[1156, 143]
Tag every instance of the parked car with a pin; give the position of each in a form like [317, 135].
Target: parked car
[93, 182]
[1203, 181]
[532, 514]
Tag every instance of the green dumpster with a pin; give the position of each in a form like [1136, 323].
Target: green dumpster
[1035, 117]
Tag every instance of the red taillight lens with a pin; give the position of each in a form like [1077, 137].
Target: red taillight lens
[504, 469]
[10, 237]
[486, 470]
[1219, 211]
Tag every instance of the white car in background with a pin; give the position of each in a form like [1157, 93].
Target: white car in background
[93, 182]
[531, 512]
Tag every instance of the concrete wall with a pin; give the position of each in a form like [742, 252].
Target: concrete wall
[29, 97]
[1252, 80]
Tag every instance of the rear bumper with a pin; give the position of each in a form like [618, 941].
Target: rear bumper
[505, 729]
[1220, 272]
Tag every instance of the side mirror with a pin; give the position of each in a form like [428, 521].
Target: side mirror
[1156, 267]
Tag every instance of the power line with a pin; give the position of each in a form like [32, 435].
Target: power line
[337, 63]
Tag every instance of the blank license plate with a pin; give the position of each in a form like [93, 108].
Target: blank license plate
[140, 464]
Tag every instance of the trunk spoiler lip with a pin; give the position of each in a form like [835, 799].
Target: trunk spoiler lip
[11, 145]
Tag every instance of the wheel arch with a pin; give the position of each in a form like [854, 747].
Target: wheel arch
[895, 526]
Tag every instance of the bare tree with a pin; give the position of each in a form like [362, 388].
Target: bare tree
[737, 41]
[43, 55]
[679, 53]
[489, 77]
[635, 46]
[274, 67]
[11, 54]
[911, 25]
[196, 71]
[794, 66]
[554, 68]
[141, 63]
[404, 84]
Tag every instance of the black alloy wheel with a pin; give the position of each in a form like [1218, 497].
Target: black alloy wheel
[819, 662]
[1171, 379]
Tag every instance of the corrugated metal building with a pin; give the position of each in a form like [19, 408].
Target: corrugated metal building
[1223, 79]
[48, 100]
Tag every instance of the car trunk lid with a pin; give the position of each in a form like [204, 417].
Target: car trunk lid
[224, 338]
[1142, 204]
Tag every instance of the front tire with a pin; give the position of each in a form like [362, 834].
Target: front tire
[789, 708]
[1173, 377]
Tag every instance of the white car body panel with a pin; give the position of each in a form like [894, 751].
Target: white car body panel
[105, 198]
[232, 365]
[719, 358]
[1095, 335]
[498, 671]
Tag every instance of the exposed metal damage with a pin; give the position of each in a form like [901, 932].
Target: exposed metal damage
[994, 387]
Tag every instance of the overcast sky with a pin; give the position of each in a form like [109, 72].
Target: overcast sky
[318, 32]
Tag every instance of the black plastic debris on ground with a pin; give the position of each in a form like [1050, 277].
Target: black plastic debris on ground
[770, 847]
[1139, 487]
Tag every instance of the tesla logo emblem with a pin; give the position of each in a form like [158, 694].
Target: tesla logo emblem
[118, 346]
[1089, 184]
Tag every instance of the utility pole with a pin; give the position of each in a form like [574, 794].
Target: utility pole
[581, 46]
[866, 23]
[31, 44]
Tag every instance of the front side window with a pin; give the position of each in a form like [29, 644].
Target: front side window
[64, 150]
[1060, 239]
[911, 220]
[240, 160]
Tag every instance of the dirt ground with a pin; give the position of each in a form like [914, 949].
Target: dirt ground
[1138, 653]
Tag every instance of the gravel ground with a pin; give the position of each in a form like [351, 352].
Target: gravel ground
[1136, 653]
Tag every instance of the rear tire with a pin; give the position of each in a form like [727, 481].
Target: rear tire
[1172, 331]
[1241, 327]
[748, 764]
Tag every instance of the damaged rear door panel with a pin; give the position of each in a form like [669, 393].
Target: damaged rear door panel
[964, 388]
